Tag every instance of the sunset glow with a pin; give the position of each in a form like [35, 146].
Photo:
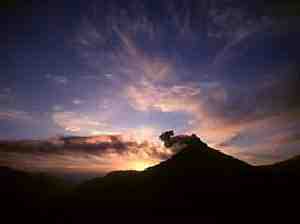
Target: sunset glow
[140, 165]
[94, 85]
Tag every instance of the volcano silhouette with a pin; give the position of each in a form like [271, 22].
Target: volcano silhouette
[198, 183]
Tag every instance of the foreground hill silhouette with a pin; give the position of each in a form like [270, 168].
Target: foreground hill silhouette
[196, 184]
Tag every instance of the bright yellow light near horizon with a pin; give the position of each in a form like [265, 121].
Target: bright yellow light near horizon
[140, 165]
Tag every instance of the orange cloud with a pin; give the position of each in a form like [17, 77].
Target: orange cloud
[76, 122]
[97, 154]
[146, 96]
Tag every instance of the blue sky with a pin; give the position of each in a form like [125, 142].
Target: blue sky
[221, 69]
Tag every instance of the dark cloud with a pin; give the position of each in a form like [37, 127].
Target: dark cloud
[62, 153]
[228, 67]
[267, 96]
[76, 145]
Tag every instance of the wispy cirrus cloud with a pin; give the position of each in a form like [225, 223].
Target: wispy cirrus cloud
[77, 122]
[15, 115]
[59, 79]
[156, 77]
[150, 66]
[6, 95]
[77, 101]
[146, 96]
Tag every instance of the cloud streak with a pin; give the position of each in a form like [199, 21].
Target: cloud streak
[76, 122]
[59, 79]
[98, 154]
[182, 57]
[15, 115]
[155, 78]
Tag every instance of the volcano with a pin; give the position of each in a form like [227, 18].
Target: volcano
[198, 183]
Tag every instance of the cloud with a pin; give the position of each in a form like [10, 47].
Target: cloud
[146, 96]
[59, 79]
[76, 122]
[6, 95]
[227, 120]
[93, 77]
[98, 154]
[164, 68]
[5, 92]
[203, 103]
[233, 26]
[15, 115]
[108, 75]
[163, 62]
[151, 81]
[101, 77]
[77, 101]
[265, 139]
[57, 108]
[106, 104]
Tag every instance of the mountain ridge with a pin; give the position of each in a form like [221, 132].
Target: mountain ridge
[198, 182]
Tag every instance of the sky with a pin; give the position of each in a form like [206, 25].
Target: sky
[227, 71]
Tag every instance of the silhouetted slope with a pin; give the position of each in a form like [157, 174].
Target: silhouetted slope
[197, 159]
[29, 197]
[6, 172]
[291, 166]
[38, 183]
[198, 183]
[109, 184]
[201, 159]
[194, 179]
